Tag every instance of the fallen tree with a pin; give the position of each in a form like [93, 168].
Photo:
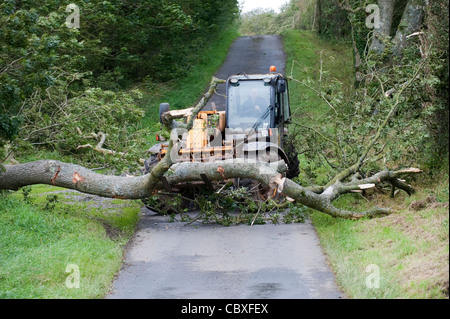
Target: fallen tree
[79, 178]
[72, 176]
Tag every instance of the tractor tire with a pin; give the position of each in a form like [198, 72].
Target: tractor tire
[163, 108]
[292, 154]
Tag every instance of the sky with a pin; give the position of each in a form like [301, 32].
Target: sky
[248, 5]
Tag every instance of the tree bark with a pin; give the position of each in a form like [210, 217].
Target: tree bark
[67, 175]
[79, 178]
[411, 22]
[382, 33]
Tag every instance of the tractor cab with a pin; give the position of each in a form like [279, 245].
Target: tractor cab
[258, 104]
[257, 101]
[253, 122]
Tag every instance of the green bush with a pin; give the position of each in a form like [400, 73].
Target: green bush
[56, 82]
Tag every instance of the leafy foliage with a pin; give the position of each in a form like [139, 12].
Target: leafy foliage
[332, 20]
[32, 46]
[436, 88]
[260, 21]
[381, 130]
[232, 206]
[294, 14]
[426, 102]
[56, 82]
[413, 83]
[64, 123]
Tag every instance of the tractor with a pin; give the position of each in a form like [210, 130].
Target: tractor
[252, 125]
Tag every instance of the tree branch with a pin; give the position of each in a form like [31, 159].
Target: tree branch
[99, 148]
[168, 117]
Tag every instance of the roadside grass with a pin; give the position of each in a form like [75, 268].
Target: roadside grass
[40, 238]
[310, 58]
[410, 247]
[403, 255]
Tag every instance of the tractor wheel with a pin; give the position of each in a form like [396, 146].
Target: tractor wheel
[292, 154]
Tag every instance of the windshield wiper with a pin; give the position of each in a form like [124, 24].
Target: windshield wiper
[262, 117]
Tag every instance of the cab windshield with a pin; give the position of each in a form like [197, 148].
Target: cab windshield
[248, 105]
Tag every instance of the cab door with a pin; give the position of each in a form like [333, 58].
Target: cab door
[285, 105]
[282, 112]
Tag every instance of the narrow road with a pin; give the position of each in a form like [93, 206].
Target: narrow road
[251, 54]
[172, 260]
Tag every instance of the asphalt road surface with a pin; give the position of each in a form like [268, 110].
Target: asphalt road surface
[172, 260]
[203, 261]
[251, 54]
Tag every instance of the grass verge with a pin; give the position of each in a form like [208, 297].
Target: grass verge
[43, 237]
[403, 255]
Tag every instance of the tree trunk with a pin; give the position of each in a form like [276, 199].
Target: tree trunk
[76, 177]
[319, 17]
[73, 176]
[411, 22]
[382, 33]
[357, 61]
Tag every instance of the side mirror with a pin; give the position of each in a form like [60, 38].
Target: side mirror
[163, 108]
[281, 85]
